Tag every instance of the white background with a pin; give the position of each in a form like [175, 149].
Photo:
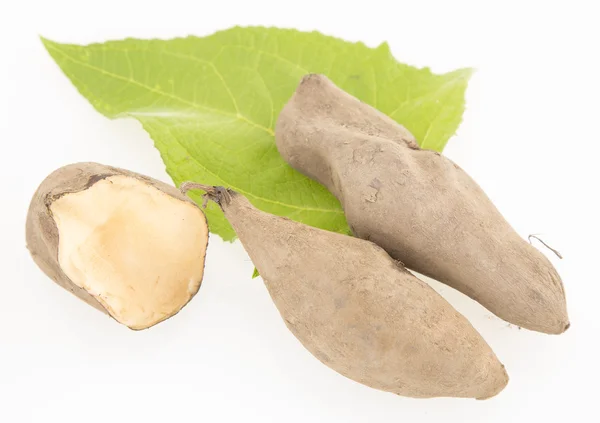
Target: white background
[530, 137]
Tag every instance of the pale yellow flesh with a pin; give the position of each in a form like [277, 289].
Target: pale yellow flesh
[139, 251]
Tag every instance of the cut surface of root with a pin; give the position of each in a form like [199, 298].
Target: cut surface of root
[137, 250]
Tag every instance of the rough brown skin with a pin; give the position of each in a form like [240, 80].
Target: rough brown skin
[41, 230]
[359, 311]
[418, 205]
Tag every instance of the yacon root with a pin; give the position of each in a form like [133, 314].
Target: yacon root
[130, 246]
[359, 311]
[418, 205]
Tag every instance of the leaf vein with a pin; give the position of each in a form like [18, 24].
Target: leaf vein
[163, 93]
[247, 193]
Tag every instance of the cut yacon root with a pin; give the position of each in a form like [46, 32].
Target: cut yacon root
[128, 245]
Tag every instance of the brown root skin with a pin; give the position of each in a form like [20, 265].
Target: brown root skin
[418, 205]
[359, 311]
[57, 199]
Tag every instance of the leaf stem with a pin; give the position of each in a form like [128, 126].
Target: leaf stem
[213, 193]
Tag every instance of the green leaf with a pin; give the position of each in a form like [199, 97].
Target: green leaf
[255, 274]
[210, 105]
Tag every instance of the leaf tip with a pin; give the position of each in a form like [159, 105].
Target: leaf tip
[46, 42]
[467, 73]
[461, 74]
[50, 46]
[385, 46]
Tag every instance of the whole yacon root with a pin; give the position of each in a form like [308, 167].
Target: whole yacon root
[359, 311]
[130, 246]
[418, 205]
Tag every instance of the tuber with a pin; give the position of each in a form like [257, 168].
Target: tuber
[359, 311]
[128, 245]
[418, 205]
